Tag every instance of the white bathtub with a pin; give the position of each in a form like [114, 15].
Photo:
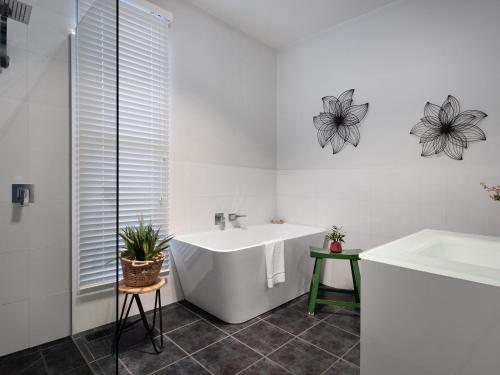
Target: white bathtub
[431, 305]
[223, 272]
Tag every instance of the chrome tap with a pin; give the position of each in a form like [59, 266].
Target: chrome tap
[220, 220]
[234, 217]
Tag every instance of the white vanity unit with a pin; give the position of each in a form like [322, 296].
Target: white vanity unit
[431, 305]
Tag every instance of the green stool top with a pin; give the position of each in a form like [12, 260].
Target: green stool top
[350, 254]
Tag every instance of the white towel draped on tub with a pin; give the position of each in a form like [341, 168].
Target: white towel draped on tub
[275, 262]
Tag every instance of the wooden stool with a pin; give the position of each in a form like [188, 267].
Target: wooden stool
[319, 254]
[136, 292]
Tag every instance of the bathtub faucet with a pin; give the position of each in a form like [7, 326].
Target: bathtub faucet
[220, 220]
[234, 217]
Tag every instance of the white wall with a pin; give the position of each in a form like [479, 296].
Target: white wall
[34, 148]
[222, 137]
[223, 129]
[397, 58]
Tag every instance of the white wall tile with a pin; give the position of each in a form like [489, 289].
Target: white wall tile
[13, 129]
[15, 224]
[48, 81]
[47, 271]
[199, 190]
[14, 282]
[50, 172]
[15, 327]
[14, 79]
[49, 128]
[297, 209]
[51, 227]
[49, 318]
[48, 32]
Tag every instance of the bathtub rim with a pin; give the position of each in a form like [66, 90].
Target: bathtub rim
[185, 238]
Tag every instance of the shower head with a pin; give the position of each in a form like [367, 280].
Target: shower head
[15, 10]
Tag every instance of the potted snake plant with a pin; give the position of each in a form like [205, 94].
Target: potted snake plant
[336, 236]
[143, 254]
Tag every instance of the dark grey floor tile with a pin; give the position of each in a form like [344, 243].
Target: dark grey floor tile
[107, 366]
[265, 367]
[355, 310]
[82, 370]
[322, 311]
[101, 347]
[98, 332]
[330, 338]
[134, 335]
[226, 357]
[186, 366]
[289, 304]
[263, 337]
[28, 361]
[353, 355]
[175, 316]
[196, 336]
[343, 368]
[81, 344]
[301, 303]
[54, 343]
[345, 319]
[20, 361]
[62, 357]
[291, 320]
[300, 357]
[227, 327]
[142, 359]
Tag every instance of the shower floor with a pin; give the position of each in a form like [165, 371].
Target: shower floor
[56, 357]
[283, 341]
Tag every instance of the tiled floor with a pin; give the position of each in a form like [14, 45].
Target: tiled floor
[57, 357]
[283, 341]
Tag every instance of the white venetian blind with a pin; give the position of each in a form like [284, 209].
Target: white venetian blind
[143, 131]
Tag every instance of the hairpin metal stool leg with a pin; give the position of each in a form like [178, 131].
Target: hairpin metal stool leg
[149, 331]
[121, 326]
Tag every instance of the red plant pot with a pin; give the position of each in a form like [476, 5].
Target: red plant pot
[336, 247]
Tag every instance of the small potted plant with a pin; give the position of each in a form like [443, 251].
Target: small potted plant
[336, 235]
[493, 190]
[143, 255]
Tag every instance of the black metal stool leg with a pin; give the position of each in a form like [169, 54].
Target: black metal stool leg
[121, 323]
[145, 322]
[154, 312]
[161, 320]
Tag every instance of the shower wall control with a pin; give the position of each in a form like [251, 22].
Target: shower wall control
[23, 194]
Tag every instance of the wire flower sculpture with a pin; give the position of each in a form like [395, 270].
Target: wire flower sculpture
[447, 130]
[338, 123]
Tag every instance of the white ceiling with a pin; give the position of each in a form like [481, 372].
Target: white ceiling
[278, 23]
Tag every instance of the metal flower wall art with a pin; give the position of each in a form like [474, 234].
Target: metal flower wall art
[447, 130]
[338, 123]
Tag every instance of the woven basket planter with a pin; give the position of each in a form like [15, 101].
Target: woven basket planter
[141, 273]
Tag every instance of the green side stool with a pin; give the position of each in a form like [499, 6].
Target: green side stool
[319, 254]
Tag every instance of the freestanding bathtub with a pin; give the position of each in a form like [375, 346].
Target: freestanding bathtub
[223, 272]
[430, 305]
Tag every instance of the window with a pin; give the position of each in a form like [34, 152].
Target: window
[143, 131]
